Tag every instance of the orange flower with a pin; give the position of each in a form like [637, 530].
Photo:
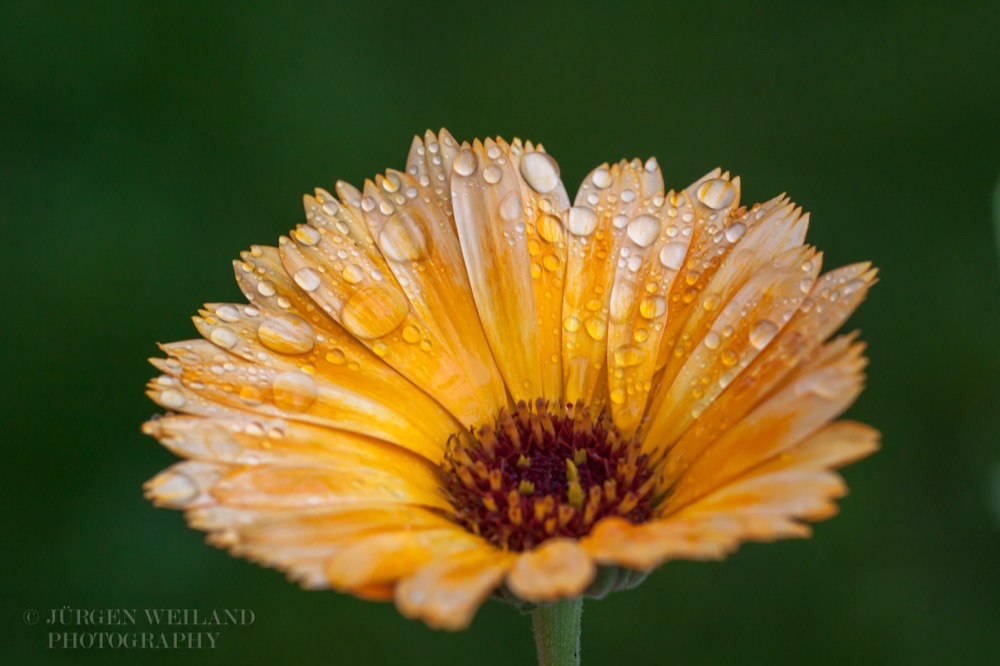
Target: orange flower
[456, 383]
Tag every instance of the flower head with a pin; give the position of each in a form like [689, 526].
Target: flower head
[455, 382]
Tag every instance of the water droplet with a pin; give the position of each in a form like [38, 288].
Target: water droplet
[411, 334]
[550, 228]
[380, 348]
[493, 152]
[307, 278]
[628, 356]
[224, 337]
[652, 307]
[617, 396]
[729, 357]
[228, 313]
[805, 284]
[571, 324]
[596, 328]
[711, 302]
[402, 239]
[287, 334]
[712, 340]
[492, 174]
[717, 193]
[374, 310]
[540, 171]
[643, 230]
[510, 207]
[307, 235]
[628, 196]
[266, 288]
[672, 255]
[352, 274]
[762, 332]
[619, 221]
[734, 232]
[601, 178]
[294, 391]
[336, 357]
[172, 399]
[465, 164]
[551, 262]
[582, 221]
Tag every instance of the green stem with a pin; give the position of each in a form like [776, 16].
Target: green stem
[557, 633]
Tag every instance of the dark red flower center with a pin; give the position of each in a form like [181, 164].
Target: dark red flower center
[538, 474]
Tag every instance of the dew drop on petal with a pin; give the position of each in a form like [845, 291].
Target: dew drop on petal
[643, 230]
[672, 255]
[571, 324]
[286, 334]
[582, 221]
[510, 207]
[762, 333]
[601, 178]
[227, 313]
[465, 164]
[172, 399]
[652, 307]
[596, 328]
[540, 171]
[550, 228]
[374, 310]
[402, 240]
[307, 235]
[717, 193]
[734, 232]
[223, 337]
[492, 174]
[352, 274]
[307, 278]
[294, 391]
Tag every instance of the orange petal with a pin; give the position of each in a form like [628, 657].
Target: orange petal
[490, 215]
[447, 592]
[558, 569]
[596, 226]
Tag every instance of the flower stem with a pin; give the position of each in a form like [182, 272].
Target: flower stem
[557, 633]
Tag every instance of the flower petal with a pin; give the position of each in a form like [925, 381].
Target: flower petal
[488, 215]
[445, 593]
[721, 346]
[558, 569]
[814, 394]
[421, 249]
[596, 226]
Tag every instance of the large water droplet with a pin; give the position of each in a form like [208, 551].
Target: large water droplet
[465, 163]
[228, 313]
[672, 255]
[596, 328]
[294, 391]
[717, 193]
[601, 178]
[734, 232]
[510, 207]
[287, 334]
[374, 310]
[571, 324]
[224, 337]
[628, 356]
[540, 171]
[307, 278]
[762, 332]
[550, 228]
[172, 399]
[492, 174]
[582, 221]
[307, 235]
[402, 239]
[652, 307]
[643, 230]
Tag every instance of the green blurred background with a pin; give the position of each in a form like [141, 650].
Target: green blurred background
[145, 144]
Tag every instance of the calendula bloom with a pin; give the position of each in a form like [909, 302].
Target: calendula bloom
[457, 383]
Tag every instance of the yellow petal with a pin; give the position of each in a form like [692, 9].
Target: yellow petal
[421, 249]
[557, 569]
[727, 342]
[445, 593]
[596, 226]
[490, 215]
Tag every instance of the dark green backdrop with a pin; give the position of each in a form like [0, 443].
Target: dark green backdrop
[143, 145]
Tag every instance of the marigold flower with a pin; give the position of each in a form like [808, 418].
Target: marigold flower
[457, 383]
